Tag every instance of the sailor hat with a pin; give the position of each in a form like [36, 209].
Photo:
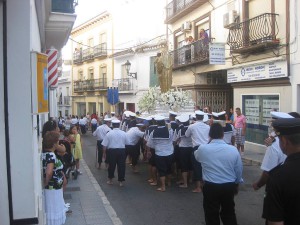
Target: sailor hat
[116, 121]
[127, 113]
[280, 115]
[112, 113]
[200, 113]
[219, 115]
[132, 114]
[149, 118]
[172, 113]
[107, 120]
[159, 118]
[286, 126]
[193, 116]
[184, 118]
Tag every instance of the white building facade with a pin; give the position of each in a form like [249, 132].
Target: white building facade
[28, 28]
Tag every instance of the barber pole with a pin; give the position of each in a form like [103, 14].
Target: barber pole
[52, 68]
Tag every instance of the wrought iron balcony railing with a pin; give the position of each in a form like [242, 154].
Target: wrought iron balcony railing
[125, 84]
[90, 85]
[254, 34]
[77, 57]
[87, 54]
[64, 6]
[197, 52]
[90, 53]
[100, 50]
[66, 100]
[178, 8]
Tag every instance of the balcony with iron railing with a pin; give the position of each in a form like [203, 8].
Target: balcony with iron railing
[100, 50]
[87, 54]
[255, 34]
[64, 6]
[125, 84]
[90, 85]
[179, 8]
[80, 56]
[194, 53]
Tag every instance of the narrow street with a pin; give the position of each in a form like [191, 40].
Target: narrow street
[138, 203]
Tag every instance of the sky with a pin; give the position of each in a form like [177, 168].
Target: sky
[141, 17]
[87, 9]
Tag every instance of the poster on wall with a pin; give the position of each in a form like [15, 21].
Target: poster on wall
[258, 72]
[217, 53]
[39, 79]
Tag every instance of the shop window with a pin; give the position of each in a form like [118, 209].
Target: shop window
[257, 110]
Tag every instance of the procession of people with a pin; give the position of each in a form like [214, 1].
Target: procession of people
[194, 149]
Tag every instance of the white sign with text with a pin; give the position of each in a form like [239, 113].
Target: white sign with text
[258, 72]
[217, 53]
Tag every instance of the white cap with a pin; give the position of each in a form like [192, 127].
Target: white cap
[280, 115]
[132, 114]
[140, 125]
[112, 113]
[116, 121]
[184, 118]
[215, 114]
[107, 120]
[205, 118]
[149, 118]
[173, 113]
[159, 117]
[193, 116]
[200, 113]
[127, 113]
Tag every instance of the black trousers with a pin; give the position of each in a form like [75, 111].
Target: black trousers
[134, 152]
[218, 202]
[197, 168]
[100, 151]
[117, 158]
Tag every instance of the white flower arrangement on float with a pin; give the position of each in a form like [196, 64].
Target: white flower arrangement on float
[176, 99]
[148, 101]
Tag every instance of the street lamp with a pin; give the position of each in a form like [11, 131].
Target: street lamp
[127, 67]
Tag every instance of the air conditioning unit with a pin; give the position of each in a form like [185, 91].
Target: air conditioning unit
[230, 19]
[186, 26]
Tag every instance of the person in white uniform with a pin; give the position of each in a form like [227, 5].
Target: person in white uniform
[185, 149]
[115, 142]
[199, 134]
[273, 156]
[134, 134]
[100, 133]
[161, 139]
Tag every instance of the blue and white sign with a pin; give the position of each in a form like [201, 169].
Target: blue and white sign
[217, 53]
[258, 72]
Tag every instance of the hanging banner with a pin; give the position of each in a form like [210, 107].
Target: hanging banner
[52, 68]
[40, 94]
[112, 95]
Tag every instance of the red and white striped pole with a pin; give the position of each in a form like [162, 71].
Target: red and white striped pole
[52, 81]
[52, 68]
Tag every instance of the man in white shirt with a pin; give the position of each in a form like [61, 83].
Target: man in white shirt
[134, 134]
[199, 134]
[161, 139]
[273, 156]
[94, 124]
[115, 142]
[82, 124]
[100, 133]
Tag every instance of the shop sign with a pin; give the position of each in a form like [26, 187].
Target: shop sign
[217, 53]
[258, 72]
